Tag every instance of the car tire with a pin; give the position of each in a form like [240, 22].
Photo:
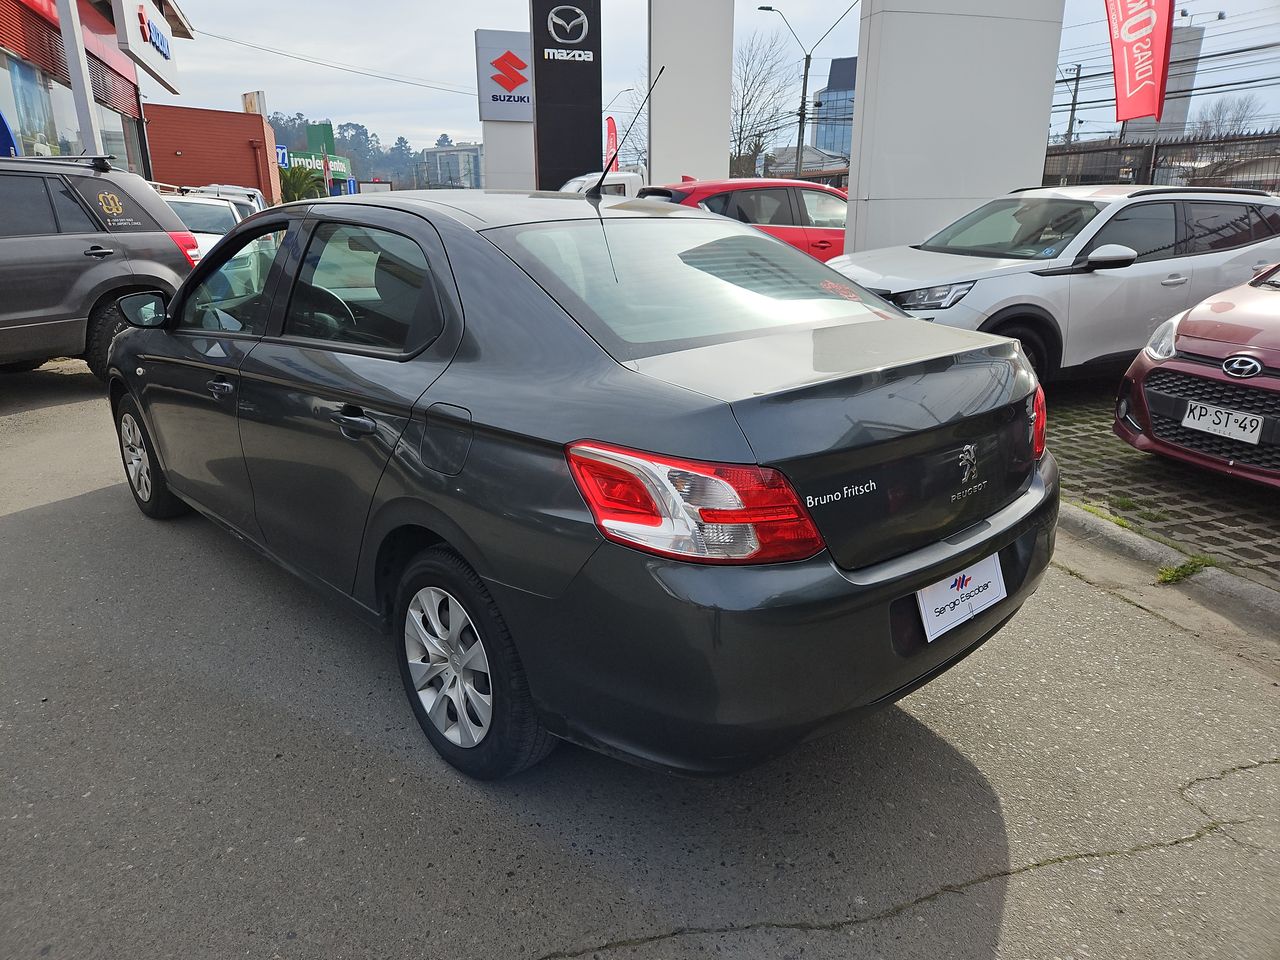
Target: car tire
[141, 469]
[105, 322]
[22, 366]
[1034, 345]
[443, 613]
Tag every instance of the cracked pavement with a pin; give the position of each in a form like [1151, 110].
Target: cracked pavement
[200, 757]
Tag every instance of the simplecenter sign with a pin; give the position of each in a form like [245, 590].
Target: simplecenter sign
[145, 36]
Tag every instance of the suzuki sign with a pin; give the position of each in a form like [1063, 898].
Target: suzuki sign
[1141, 33]
[143, 33]
[504, 76]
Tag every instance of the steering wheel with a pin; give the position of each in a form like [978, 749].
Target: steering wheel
[326, 303]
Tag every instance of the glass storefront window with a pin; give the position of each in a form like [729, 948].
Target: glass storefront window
[41, 115]
[65, 121]
[34, 129]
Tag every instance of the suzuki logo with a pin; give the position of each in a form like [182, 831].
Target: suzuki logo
[567, 25]
[509, 76]
[969, 462]
[1241, 367]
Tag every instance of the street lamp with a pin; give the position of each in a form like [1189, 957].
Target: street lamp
[615, 97]
[1188, 15]
[804, 85]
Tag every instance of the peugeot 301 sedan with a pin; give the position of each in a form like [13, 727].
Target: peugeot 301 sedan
[619, 471]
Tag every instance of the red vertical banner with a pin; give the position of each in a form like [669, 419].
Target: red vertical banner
[1141, 33]
[611, 142]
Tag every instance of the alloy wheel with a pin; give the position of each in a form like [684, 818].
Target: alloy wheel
[136, 462]
[449, 666]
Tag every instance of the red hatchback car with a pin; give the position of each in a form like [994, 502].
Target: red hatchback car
[1206, 388]
[806, 215]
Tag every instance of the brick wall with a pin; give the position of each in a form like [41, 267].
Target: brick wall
[193, 148]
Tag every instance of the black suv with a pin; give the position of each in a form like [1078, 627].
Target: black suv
[75, 235]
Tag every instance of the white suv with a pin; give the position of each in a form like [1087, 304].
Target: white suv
[1080, 275]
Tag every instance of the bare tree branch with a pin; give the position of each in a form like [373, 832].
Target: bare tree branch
[1226, 117]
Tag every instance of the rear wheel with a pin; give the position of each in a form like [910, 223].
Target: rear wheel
[461, 671]
[1035, 345]
[146, 480]
[104, 323]
[22, 366]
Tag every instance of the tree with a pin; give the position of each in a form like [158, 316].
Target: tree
[399, 161]
[444, 140]
[761, 100]
[1226, 117]
[301, 183]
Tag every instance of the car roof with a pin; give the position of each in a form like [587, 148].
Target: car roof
[742, 183]
[484, 209]
[198, 198]
[1124, 191]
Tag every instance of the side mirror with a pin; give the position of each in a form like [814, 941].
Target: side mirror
[143, 309]
[1111, 256]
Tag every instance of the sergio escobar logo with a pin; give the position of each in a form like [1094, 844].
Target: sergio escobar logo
[964, 597]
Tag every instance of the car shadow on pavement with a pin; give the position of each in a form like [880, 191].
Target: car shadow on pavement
[881, 839]
[56, 383]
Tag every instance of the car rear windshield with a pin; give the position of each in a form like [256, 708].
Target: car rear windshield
[646, 286]
[1022, 228]
[204, 217]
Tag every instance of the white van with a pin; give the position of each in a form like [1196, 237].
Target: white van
[620, 184]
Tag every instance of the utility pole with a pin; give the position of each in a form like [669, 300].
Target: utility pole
[1075, 95]
[804, 87]
[804, 98]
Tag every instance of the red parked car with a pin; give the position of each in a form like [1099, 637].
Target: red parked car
[806, 215]
[1206, 388]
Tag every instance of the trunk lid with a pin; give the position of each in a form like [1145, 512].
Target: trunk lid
[895, 433]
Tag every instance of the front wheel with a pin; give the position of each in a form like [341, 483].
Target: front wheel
[146, 480]
[1034, 346]
[461, 672]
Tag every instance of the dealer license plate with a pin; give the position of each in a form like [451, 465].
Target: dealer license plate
[1223, 423]
[960, 597]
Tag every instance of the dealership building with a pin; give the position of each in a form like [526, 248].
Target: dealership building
[38, 110]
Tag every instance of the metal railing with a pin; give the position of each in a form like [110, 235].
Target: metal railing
[1250, 161]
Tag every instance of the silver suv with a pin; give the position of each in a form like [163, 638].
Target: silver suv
[75, 235]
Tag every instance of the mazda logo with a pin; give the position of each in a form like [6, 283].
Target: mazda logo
[567, 25]
[1241, 367]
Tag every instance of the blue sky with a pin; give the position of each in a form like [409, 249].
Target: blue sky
[431, 41]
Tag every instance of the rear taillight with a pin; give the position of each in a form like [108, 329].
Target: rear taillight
[693, 510]
[187, 244]
[1039, 422]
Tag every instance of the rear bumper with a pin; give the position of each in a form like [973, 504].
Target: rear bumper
[1135, 426]
[706, 669]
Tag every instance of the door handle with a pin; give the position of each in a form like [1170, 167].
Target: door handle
[1173, 280]
[220, 388]
[821, 244]
[354, 423]
[99, 252]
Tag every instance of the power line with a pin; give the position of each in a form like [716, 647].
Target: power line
[1235, 86]
[345, 68]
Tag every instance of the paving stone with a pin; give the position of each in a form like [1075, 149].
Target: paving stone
[1234, 521]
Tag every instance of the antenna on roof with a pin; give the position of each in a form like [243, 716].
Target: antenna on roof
[593, 193]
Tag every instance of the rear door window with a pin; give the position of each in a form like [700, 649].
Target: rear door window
[25, 207]
[1148, 228]
[110, 201]
[1219, 226]
[364, 287]
[765, 208]
[72, 217]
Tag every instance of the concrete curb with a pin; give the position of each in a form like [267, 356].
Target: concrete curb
[1226, 593]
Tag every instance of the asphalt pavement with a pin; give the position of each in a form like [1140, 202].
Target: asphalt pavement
[202, 757]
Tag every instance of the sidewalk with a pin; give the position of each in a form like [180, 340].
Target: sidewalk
[1235, 523]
